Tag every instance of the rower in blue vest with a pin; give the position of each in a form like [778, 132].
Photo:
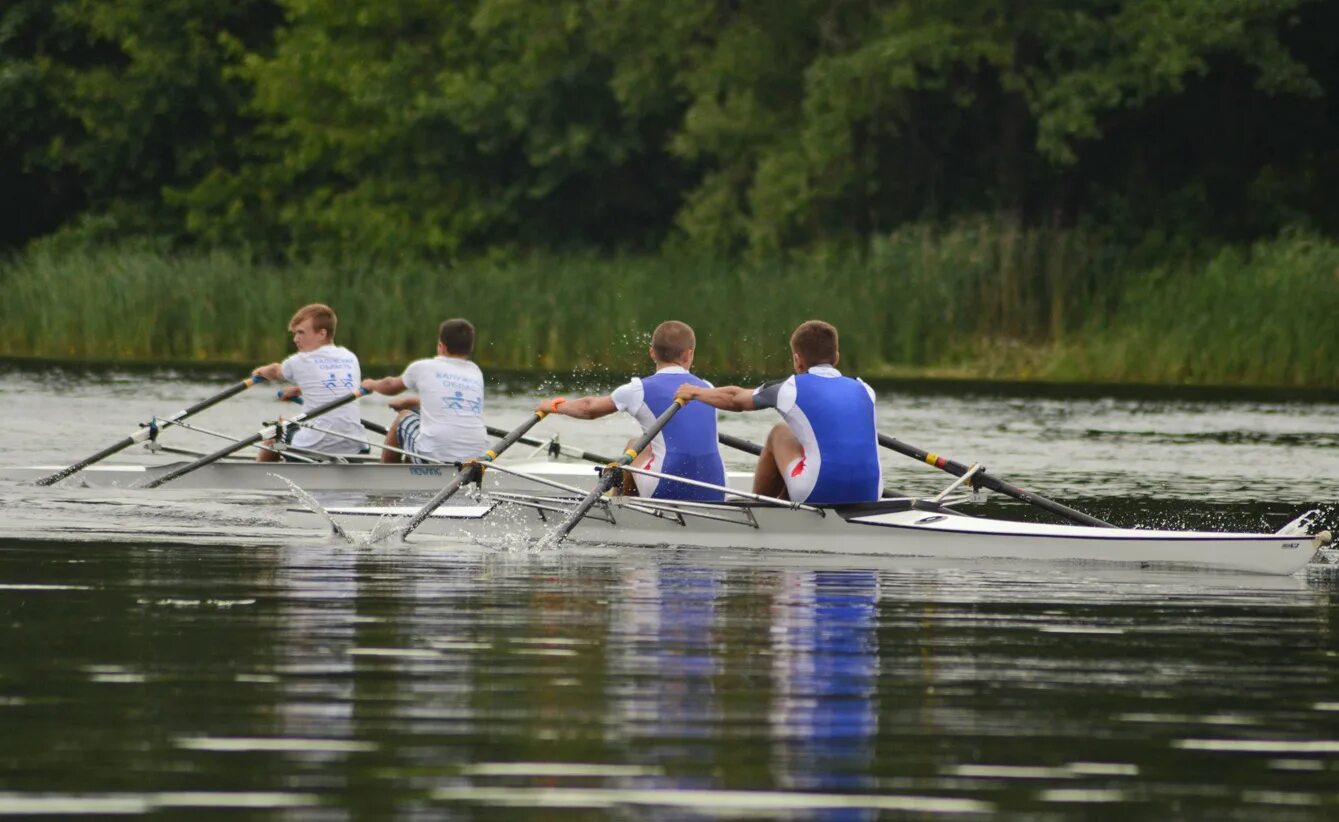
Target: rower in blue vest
[686, 447]
[826, 452]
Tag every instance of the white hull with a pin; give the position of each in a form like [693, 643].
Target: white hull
[366, 477]
[891, 529]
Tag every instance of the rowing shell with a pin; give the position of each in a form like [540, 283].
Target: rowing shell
[368, 477]
[900, 527]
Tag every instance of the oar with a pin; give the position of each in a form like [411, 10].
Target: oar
[731, 441]
[147, 431]
[564, 450]
[269, 431]
[375, 428]
[609, 477]
[994, 483]
[469, 472]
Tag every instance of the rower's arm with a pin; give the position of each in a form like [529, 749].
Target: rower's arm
[726, 398]
[582, 408]
[274, 372]
[389, 386]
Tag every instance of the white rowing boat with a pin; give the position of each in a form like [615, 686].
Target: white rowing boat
[367, 477]
[899, 527]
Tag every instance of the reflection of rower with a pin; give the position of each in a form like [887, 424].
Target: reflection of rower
[661, 648]
[826, 676]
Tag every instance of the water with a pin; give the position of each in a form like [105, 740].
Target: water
[172, 651]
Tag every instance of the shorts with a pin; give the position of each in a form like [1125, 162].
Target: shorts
[800, 479]
[679, 466]
[840, 485]
[407, 433]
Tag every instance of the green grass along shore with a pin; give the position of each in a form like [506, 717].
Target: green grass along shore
[973, 302]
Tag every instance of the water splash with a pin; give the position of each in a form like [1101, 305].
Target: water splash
[316, 508]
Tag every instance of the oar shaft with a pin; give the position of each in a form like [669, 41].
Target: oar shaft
[375, 428]
[469, 472]
[609, 477]
[992, 482]
[145, 432]
[731, 441]
[266, 432]
[566, 451]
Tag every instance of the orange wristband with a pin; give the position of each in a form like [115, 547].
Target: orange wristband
[557, 401]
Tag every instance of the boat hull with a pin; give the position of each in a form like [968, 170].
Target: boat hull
[357, 477]
[893, 528]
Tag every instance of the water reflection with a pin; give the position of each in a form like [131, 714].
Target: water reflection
[424, 680]
[662, 668]
[826, 669]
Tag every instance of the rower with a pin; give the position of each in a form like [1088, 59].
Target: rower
[321, 372]
[445, 422]
[686, 447]
[826, 451]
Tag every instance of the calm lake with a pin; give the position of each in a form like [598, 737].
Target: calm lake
[176, 651]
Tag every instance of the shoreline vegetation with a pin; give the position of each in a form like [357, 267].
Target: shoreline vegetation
[978, 300]
[1122, 193]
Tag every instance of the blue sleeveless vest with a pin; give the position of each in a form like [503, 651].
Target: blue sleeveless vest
[842, 417]
[691, 449]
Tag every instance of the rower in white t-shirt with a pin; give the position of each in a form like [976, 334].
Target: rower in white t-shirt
[321, 372]
[446, 421]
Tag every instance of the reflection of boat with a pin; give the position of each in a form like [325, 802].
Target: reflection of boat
[369, 477]
[896, 527]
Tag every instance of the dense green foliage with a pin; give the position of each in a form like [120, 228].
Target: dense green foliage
[950, 302]
[442, 129]
[1110, 189]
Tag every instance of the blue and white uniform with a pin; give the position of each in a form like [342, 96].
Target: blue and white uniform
[686, 447]
[833, 418]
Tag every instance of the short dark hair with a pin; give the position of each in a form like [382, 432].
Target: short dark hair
[816, 342]
[671, 339]
[457, 335]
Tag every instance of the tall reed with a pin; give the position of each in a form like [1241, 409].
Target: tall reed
[976, 299]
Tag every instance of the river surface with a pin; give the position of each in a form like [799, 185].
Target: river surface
[172, 651]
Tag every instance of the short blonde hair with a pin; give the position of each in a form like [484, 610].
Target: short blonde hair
[321, 315]
[671, 339]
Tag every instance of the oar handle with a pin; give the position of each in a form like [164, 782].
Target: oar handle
[992, 482]
[608, 478]
[469, 472]
[375, 428]
[264, 433]
[146, 431]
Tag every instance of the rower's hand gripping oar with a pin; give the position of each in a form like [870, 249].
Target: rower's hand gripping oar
[268, 432]
[469, 472]
[994, 483]
[609, 477]
[148, 431]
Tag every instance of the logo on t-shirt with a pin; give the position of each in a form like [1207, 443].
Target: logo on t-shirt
[333, 380]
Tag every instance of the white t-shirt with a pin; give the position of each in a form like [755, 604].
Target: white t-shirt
[451, 405]
[327, 374]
